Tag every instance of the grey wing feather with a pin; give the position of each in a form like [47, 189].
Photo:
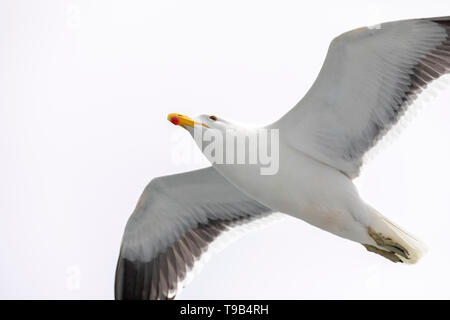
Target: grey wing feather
[369, 78]
[176, 219]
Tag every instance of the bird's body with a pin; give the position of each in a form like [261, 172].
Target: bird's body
[368, 80]
[313, 192]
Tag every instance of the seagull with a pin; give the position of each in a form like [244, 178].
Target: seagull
[369, 78]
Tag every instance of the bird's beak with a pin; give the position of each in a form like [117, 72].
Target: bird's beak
[184, 121]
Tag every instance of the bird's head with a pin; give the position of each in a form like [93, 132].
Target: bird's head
[226, 143]
[209, 133]
[201, 123]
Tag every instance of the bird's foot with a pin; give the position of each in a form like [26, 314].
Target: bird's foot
[393, 250]
[388, 255]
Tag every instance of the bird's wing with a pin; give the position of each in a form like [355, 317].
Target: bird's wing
[368, 79]
[175, 220]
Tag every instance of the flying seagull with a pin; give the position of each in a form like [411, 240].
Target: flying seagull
[369, 78]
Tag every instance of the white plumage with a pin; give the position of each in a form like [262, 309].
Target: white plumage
[369, 78]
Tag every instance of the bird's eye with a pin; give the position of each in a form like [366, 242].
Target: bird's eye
[213, 118]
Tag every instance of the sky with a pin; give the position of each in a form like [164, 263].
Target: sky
[85, 90]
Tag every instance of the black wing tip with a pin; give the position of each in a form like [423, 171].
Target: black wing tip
[129, 282]
[152, 280]
[445, 20]
[160, 278]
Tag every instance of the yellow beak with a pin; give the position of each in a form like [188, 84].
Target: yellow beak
[184, 121]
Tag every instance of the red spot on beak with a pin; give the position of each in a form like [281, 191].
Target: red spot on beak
[175, 120]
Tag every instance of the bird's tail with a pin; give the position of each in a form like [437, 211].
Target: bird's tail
[393, 240]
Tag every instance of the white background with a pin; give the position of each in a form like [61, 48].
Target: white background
[85, 87]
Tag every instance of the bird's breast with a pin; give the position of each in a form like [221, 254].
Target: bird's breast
[303, 188]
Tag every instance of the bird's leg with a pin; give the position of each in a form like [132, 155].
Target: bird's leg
[388, 244]
[393, 249]
[388, 255]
